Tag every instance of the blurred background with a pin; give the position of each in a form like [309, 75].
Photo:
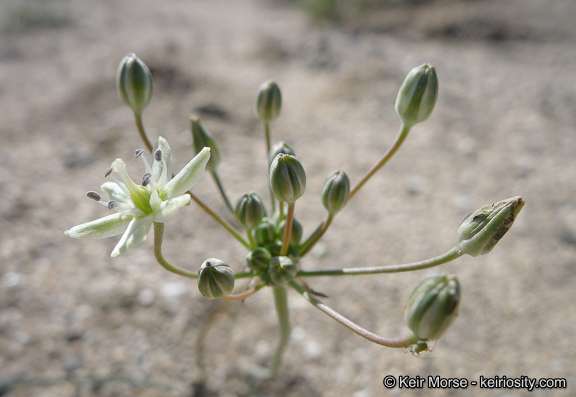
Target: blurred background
[504, 125]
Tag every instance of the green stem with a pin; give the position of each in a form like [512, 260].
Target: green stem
[215, 216]
[251, 239]
[238, 276]
[267, 133]
[372, 337]
[281, 301]
[143, 136]
[288, 229]
[221, 189]
[454, 253]
[397, 143]
[219, 220]
[268, 146]
[158, 237]
[280, 211]
[316, 236]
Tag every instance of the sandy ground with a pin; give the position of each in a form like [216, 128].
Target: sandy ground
[503, 126]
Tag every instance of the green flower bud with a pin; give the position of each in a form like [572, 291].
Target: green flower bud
[215, 279]
[433, 306]
[287, 178]
[481, 230]
[277, 148]
[202, 138]
[295, 236]
[417, 95]
[259, 260]
[335, 191]
[264, 233]
[282, 270]
[249, 210]
[134, 83]
[269, 101]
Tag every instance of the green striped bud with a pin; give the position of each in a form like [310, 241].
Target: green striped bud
[433, 306]
[282, 270]
[417, 95]
[287, 178]
[481, 230]
[215, 279]
[134, 83]
[264, 233]
[269, 102]
[258, 260]
[202, 138]
[335, 191]
[249, 210]
[295, 236]
[277, 148]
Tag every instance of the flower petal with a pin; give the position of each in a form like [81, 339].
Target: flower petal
[139, 195]
[169, 208]
[162, 170]
[111, 225]
[115, 192]
[189, 175]
[135, 235]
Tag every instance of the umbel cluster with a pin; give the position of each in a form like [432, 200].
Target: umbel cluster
[275, 241]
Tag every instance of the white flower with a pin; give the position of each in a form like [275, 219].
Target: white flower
[157, 199]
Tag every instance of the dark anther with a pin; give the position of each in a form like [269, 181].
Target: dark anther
[108, 172]
[158, 155]
[94, 196]
[112, 204]
[146, 179]
[138, 153]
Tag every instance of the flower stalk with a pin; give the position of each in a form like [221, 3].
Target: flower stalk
[351, 325]
[158, 239]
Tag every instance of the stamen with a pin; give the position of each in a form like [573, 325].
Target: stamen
[146, 164]
[146, 179]
[108, 172]
[138, 153]
[94, 196]
[112, 204]
[158, 155]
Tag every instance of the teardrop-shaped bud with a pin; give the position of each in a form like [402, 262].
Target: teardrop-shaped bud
[287, 178]
[134, 83]
[335, 191]
[481, 230]
[215, 279]
[269, 102]
[433, 306]
[249, 210]
[202, 138]
[417, 96]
